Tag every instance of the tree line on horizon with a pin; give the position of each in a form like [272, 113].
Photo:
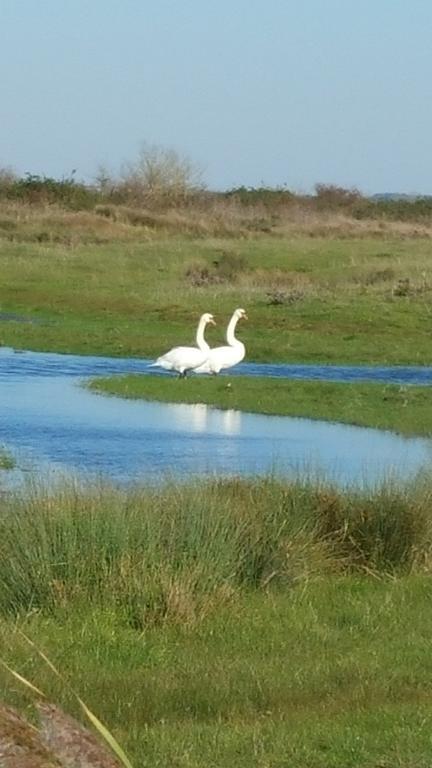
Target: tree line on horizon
[161, 178]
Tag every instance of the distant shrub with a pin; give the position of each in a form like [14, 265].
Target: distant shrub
[225, 269]
[137, 217]
[330, 196]
[379, 276]
[267, 196]
[405, 287]
[161, 175]
[230, 265]
[417, 209]
[277, 297]
[199, 275]
[402, 287]
[32, 188]
[7, 177]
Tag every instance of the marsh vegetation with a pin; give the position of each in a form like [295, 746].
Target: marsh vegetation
[228, 623]
[337, 303]
[236, 623]
[127, 270]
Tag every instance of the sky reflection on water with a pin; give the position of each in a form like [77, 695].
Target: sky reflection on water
[50, 422]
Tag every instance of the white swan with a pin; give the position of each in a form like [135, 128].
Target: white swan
[227, 356]
[184, 359]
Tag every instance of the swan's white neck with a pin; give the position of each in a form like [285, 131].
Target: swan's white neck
[200, 340]
[230, 335]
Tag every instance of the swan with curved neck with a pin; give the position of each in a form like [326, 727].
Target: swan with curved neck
[229, 355]
[184, 359]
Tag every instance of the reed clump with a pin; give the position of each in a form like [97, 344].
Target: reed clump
[176, 552]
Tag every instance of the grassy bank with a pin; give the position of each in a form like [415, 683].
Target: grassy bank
[232, 624]
[407, 410]
[309, 298]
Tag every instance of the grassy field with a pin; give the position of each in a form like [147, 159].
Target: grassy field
[235, 624]
[407, 410]
[331, 675]
[309, 299]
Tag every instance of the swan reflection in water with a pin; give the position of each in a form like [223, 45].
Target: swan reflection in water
[201, 418]
[232, 422]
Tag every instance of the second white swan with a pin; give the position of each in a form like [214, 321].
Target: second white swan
[226, 356]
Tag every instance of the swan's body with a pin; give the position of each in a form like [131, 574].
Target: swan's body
[184, 359]
[226, 356]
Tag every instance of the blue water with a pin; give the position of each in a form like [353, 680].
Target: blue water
[52, 424]
[50, 363]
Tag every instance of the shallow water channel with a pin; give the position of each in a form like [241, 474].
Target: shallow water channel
[52, 425]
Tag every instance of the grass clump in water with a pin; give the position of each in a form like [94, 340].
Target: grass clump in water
[7, 461]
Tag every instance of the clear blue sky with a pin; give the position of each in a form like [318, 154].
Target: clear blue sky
[254, 91]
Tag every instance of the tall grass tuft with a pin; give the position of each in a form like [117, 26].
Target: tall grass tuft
[176, 552]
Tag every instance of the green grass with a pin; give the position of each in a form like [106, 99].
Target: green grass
[175, 552]
[335, 674]
[136, 298]
[407, 410]
[234, 623]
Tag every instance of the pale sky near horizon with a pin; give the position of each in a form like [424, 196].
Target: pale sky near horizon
[254, 91]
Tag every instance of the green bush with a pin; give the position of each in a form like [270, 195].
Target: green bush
[34, 189]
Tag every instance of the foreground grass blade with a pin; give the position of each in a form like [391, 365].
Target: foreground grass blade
[103, 731]
[22, 679]
[106, 734]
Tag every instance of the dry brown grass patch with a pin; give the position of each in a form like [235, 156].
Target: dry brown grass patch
[201, 217]
[303, 221]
